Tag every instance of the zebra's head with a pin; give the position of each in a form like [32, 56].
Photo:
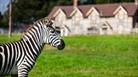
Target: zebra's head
[51, 35]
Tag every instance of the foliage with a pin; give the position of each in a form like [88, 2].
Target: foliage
[89, 56]
[0, 17]
[4, 20]
[112, 1]
[27, 11]
[33, 9]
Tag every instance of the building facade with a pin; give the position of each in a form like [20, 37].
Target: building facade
[96, 19]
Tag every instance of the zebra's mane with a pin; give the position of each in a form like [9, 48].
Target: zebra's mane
[42, 22]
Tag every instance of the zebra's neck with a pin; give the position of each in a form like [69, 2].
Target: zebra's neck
[34, 38]
[35, 46]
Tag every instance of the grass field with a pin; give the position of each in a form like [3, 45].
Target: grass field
[88, 56]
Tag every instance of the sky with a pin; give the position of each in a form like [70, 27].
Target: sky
[3, 5]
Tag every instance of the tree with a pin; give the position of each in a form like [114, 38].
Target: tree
[112, 1]
[4, 20]
[0, 19]
[87, 1]
[26, 11]
[0, 16]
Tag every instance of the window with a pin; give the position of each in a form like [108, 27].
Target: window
[60, 19]
[77, 18]
[93, 18]
[93, 30]
[121, 15]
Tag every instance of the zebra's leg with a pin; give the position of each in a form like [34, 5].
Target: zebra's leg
[16, 75]
[24, 68]
[22, 73]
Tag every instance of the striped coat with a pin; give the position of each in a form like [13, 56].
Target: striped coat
[18, 58]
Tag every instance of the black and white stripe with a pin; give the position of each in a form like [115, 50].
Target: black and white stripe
[18, 58]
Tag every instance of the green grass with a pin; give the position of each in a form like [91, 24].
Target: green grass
[88, 56]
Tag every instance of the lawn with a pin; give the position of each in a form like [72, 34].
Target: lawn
[88, 56]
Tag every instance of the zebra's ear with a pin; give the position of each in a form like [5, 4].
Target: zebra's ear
[52, 21]
[46, 20]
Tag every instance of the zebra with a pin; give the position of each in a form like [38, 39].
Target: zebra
[18, 58]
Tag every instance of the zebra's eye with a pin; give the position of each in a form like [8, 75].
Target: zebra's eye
[52, 31]
[58, 31]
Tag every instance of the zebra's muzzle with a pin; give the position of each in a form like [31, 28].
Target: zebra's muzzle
[61, 45]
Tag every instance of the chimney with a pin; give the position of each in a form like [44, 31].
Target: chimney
[75, 3]
[136, 2]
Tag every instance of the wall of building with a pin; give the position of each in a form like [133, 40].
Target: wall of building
[121, 23]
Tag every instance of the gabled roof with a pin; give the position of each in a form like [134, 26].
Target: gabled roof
[131, 8]
[66, 9]
[103, 9]
[120, 7]
[90, 11]
[76, 10]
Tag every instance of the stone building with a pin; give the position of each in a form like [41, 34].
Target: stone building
[118, 18]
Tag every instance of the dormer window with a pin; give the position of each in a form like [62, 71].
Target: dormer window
[93, 16]
[76, 17]
[120, 13]
[60, 18]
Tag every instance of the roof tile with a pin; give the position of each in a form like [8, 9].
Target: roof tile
[103, 9]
